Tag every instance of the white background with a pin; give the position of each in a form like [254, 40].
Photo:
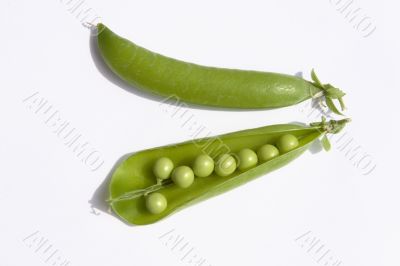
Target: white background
[48, 194]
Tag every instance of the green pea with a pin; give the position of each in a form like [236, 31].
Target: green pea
[247, 159]
[162, 168]
[183, 176]
[226, 165]
[287, 143]
[267, 152]
[156, 203]
[203, 165]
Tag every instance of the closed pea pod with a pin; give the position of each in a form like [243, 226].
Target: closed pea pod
[133, 179]
[204, 85]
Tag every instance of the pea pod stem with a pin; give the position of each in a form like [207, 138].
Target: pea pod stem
[332, 126]
[317, 95]
[89, 25]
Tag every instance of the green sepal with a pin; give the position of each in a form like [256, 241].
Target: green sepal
[332, 92]
[331, 105]
[326, 144]
[342, 105]
[316, 80]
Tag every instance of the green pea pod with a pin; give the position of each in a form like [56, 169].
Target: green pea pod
[133, 179]
[209, 86]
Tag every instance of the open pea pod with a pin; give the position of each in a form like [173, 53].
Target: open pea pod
[133, 179]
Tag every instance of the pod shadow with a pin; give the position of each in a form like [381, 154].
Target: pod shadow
[101, 194]
[315, 147]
